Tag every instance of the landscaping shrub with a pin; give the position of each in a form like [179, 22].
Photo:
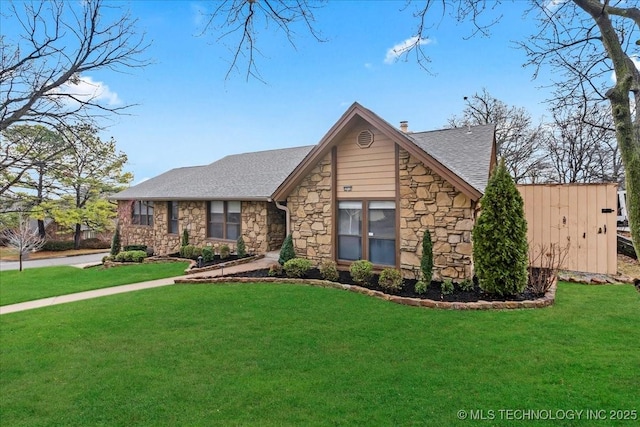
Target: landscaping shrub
[115, 242]
[297, 267]
[361, 271]
[241, 249]
[446, 287]
[94, 243]
[275, 269]
[187, 251]
[207, 254]
[329, 271]
[128, 248]
[421, 287]
[426, 262]
[185, 238]
[544, 264]
[466, 285]
[224, 251]
[131, 256]
[287, 252]
[390, 279]
[500, 237]
[58, 245]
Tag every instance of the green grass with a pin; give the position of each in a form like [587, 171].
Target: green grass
[35, 283]
[262, 354]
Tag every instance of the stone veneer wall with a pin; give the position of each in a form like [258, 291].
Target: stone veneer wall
[311, 207]
[276, 224]
[428, 201]
[262, 227]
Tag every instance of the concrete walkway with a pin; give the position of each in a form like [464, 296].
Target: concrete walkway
[258, 264]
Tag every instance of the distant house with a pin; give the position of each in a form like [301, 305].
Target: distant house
[367, 190]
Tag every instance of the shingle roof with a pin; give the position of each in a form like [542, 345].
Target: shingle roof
[247, 176]
[465, 151]
[461, 155]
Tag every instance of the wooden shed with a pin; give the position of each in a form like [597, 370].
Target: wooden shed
[581, 217]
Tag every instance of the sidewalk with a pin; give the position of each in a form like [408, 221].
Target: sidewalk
[265, 262]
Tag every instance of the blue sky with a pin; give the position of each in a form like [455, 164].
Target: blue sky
[188, 114]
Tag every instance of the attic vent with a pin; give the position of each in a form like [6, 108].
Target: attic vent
[365, 139]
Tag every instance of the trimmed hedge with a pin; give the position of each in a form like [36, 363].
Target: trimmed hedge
[297, 267]
[134, 248]
[94, 243]
[131, 256]
[58, 245]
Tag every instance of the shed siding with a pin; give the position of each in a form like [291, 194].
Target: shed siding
[570, 215]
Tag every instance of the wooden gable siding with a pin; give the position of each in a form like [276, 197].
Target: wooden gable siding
[370, 172]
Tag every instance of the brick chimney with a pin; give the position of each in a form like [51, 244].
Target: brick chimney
[404, 126]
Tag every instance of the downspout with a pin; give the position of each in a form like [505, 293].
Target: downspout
[287, 221]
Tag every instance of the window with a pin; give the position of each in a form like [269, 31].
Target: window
[367, 230]
[173, 217]
[224, 220]
[142, 212]
[350, 230]
[382, 233]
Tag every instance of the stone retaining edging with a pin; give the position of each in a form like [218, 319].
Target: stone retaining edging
[193, 270]
[547, 300]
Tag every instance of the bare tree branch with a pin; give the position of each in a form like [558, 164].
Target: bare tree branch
[60, 42]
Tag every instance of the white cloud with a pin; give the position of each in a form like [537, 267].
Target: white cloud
[636, 61]
[368, 65]
[86, 89]
[199, 11]
[394, 53]
[553, 5]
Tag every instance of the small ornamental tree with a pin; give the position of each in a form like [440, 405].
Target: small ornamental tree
[287, 252]
[185, 238]
[241, 249]
[426, 262]
[115, 242]
[500, 248]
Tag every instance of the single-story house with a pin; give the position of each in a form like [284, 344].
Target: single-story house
[367, 190]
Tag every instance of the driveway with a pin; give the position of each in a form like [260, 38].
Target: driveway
[48, 262]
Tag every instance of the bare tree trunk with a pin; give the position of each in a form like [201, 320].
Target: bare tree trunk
[76, 237]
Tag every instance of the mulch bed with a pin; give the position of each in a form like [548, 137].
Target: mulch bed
[408, 288]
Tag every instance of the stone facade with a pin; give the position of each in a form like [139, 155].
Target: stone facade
[263, 227]
[428, 201]
[310, 204]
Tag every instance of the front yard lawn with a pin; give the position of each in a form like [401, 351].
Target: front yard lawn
[265, 354]
[35, 283]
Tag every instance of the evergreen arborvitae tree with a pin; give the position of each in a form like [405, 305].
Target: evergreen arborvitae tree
[241, 249]
[426, 262]
[185, 238]
[500, 248]
[115, 243]
[287, 252]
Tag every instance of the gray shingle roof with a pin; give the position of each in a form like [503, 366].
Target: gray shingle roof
[247, 176]
[464, 151]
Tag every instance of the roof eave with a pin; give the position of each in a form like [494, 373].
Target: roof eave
[394, 134]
